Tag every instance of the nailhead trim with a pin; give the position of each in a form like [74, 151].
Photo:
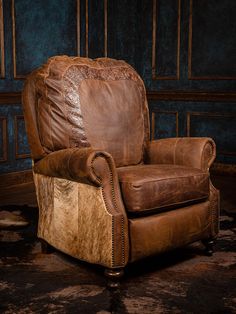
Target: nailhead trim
[114, 263]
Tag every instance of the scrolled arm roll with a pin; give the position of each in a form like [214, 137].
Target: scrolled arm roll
[197, 152]
[78, 164]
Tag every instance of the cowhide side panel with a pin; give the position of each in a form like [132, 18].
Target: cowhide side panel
[73, 218]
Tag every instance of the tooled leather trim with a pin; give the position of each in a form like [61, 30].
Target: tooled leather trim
[117, 220]
[101, 68]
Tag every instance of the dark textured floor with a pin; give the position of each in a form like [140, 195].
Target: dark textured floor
[183, 281]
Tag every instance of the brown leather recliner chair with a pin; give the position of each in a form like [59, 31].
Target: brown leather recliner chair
[106, 194]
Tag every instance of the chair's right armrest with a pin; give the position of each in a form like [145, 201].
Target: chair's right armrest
[196, 152]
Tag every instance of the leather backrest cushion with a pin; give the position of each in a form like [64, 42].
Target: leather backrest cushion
[99, 103]
[116, 123]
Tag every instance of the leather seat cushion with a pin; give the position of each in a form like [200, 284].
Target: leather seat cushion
[151, 187]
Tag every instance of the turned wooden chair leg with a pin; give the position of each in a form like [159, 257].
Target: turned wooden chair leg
[209, 245]
[45, 247]
[114, 275]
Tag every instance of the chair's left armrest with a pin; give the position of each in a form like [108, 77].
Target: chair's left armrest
[103, 223]
[84, 165]
[196, 152]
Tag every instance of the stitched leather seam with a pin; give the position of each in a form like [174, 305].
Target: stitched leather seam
[198, 236]
[211, 157]
[46, 95]
[122, 221]
[114, 218]
[167, 205]
[167, 179]
[214, 210]
[68, 163]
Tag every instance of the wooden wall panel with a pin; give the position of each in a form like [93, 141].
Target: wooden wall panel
[164, 124]
[95, 19]
[3, 139]
[14, 149]
[212, 44]
[183, 49]
[21, 143]
[2, 48]
[40, 31]
[166, 39]
[220, 126]
[122, 35]
[194, 96]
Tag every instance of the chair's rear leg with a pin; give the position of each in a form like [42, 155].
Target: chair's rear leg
[209, 245]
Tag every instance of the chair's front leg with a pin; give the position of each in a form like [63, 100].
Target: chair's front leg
[209, 245]
[114, 275]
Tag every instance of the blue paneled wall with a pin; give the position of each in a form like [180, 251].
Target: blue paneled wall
[185, 50]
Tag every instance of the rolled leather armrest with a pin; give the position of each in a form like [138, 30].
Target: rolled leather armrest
[96, 169]
[196, 152]
[78, 164]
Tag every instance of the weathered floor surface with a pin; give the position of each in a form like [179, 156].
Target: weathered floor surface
[183, 281]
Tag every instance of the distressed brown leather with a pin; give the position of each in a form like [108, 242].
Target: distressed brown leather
[120, 133]
[88, 129]
[71, 102]
[73, 164]
[158, 233]
[150, 187]
[29, 105]
[196, 152]
[86, 165]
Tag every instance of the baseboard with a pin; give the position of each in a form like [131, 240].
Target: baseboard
[17, 188]
[223, 169]
[15, 178]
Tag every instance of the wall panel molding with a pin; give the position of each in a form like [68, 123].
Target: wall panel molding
[105, 28]
[18, 155]
[223, 169]
[20, 184]
[15, 97]
[13, 16]
[3, 121]
[10, 98]
[214, 115]
[154, 42]
[78, 27]
[153, 116]
[15, 178]
[87, 26]
[192, 96]
[2, 48]
[190, 52]
[19, 76]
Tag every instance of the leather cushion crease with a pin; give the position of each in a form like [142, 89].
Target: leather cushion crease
[148, 187]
